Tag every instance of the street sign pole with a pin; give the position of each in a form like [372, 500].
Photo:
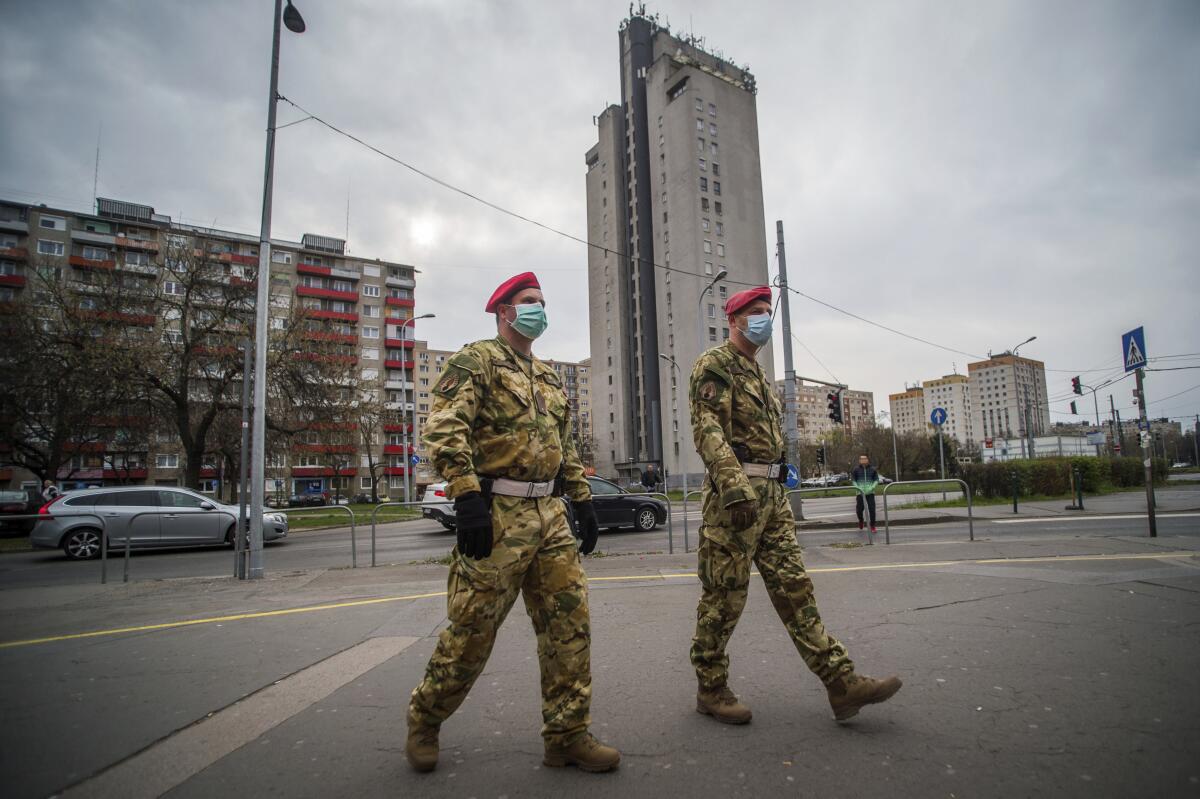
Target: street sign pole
[938, 416]
[1147, 457]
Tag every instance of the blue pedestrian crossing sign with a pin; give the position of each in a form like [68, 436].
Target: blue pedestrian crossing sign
[414, 460]
[793, 476]
[938, 417]
[1133, 349]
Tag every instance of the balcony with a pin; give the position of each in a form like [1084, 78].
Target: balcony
[93, 238]
[327, 294]
[321, 335]
[139, 269]
[238, 258]
[408, 365]
[14, 226]
[136, 244]
[401, 282]
[398, 343]
[407, 407]
[398, 449]
[90, 263]
[395, 471]
[131, 473]
[318, 313]
[401, 302]
[12, 281]
[398, 385]
[344, 449]
[313, 269]
[14, 253]
[345, 274]
[397, 428]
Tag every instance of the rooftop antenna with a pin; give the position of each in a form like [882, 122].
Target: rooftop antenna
[96, 172]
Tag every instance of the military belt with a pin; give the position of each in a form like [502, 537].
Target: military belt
[769, 470]
[516, 488]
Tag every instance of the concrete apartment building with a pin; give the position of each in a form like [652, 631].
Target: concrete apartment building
[674, 196]
[812, 410]
[908, 412]
[952, 393]
[1009, 397]
[367, 300]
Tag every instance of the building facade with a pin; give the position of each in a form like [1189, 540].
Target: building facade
[1009, 397]
[361, 304]
[907, 411]
[952, 393]
[674, 197]
[812, 410]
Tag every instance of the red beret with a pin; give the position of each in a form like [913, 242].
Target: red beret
[525, 280]
[743, 298]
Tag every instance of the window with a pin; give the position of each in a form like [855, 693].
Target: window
[370, 311]
[95, 253]
[166, 461]
[311, 260]
[703, 203]
[708, 267]
[699, 124]
[342, 285]
[712, 148]
[702, 164]
[720, 228]
[703, 187]
[137, 258]
[712, 109]
[725, 334]
[178, 499]
[712, 128]
[52, 223]
[370, 291]
[370, 332]
[716, 187]
[173, 288]
[364, 483]
[717, 207]
[700, 145]
[724, 290]
[716, 169]
[208, 486]
[707, 247]
[712, 311]
[281, 257]
[720, 250]
[712, 334]
[699, 104]
[47, 247]
[704, 225]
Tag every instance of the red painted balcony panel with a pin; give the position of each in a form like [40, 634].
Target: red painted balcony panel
[317, 313]
[401, 302]
[13, 281]
[398, 449]
[400, 365]
[313, 269]
[142, 320]
[396, 342]
[137, 244]
[320, 448]
[132, 473]
[327, 294]
[88, 263]
[396, 471]
[397, 428]
[245, 260]
[14, 253]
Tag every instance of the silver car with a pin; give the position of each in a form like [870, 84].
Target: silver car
[149, 516]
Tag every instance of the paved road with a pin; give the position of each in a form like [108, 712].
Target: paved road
[406, 542]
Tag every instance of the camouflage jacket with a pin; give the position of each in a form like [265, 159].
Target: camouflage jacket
[733, 406]
[497, 413]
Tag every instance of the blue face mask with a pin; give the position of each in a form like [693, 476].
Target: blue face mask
[531, 320]
[758, 329]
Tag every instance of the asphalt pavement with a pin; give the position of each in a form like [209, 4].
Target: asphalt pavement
[1056, 665]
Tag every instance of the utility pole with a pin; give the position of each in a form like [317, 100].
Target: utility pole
[1116, 430]
[1147, 457]
[791, 431]
[1029, 426]
[1195, 445]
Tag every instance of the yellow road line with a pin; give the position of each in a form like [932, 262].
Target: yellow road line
[620, 578]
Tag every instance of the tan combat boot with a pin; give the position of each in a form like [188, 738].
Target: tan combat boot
[586, 754]
[421, 748]
[849, 693]
[722, 705]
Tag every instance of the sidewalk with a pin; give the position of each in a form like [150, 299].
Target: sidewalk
[1168, 498]
[1022, 677]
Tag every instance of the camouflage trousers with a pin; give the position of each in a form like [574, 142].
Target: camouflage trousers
[534, 553]
[725, 559]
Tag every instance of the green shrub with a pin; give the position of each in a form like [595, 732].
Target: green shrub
[1052, 476]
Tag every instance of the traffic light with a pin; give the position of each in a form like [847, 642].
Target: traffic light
[1076, 386]
[821, 455]
[835, 407]
[1073, 411]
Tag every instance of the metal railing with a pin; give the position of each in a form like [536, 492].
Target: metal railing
[49, 516]
[787, 493]
[343, 508]
[813, 490]
[887, 527]
[129, 535]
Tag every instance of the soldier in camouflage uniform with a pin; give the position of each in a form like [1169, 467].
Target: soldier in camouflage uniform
[737, 424]
[499, 434]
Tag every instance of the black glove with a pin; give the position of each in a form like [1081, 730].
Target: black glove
[588, 527]
[473, 523]
[742, 515]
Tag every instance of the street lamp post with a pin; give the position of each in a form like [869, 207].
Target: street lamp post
[895, 450]
[675, 419]
[1028, 409]
[700, 305]
[404, 402]
[295, 23]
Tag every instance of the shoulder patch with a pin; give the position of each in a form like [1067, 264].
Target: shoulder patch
[466, 359]
[708, 390]
[452, 380]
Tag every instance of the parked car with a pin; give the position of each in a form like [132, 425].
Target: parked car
[149, 517]
[306, 501]
[437, 506]
[616, 507]
[18, 502]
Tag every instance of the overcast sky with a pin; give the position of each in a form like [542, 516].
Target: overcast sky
[970, 173]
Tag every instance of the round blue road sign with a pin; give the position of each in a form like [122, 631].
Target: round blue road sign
[938, 416]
